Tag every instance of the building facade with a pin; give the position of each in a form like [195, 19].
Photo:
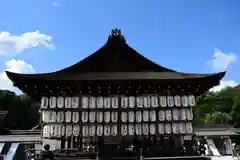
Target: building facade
[118, 101]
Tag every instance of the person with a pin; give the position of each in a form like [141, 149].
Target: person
[202, 149]
[47, 154]
[234, 151]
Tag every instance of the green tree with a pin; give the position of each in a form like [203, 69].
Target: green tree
[21, 113]
[217, 118]
[235, 112]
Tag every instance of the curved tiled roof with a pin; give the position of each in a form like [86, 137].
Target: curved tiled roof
[115, 60]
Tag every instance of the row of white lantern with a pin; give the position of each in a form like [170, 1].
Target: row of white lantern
[131, 116]
[59, 130]
[112, 116]
[60, 102]
[137, 129]
[146, 116]
[112, 102]
[146, 129]
[156, 101]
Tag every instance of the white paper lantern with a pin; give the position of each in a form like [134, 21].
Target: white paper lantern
[63, 129]
[85, 131]
[99, 117]
[145, 116]
[161, 115]
[44, 102]
[53, 116]
[84, 102]
[53, 102]
[124, 116]
[189, 128]
[68, 102]
[99, 130]
[182, 128]
[147, 101]
[145, 129]
[161, 128]
[92, 117]
[60, 102]
[168, 115]
[114, 130]
[114, 102]
[107, 116]
[163, 101]
[114, 117]
[75, 117]
[138, 116]
[68, 116]
[131, 129]
[92, 102]
[176, 114]
[84, 116]
[191, 100]
[46, 131]
[69, 130]
[168, 128]
[60, 117]
[175, 128]
[189, 114]
[45, 116]
[184, 100]
[152, 129]
[177, 101]
[170, 101]
[99, 102]
[183, 115]
[53, 131]
[76, 130]
[124, 130]
[131, 116]
[58, 130]
[139, 102]
[107, 130]
[154, 101]
[91, 130]
[75, 102]
[152, 116]
[107, 102]
[138, 129]
[124, 102]
[131, 102]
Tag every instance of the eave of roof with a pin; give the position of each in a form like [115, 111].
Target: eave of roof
[115, 76]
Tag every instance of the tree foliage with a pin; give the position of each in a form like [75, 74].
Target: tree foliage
[221, 107]
[21, 112]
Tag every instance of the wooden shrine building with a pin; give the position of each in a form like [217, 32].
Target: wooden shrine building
[117, 101]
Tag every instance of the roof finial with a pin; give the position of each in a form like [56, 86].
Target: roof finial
[116, 34]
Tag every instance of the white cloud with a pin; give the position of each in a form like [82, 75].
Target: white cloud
[56, 3]
[224, 84]
[221, 60]
[13, 44]
[18, 66]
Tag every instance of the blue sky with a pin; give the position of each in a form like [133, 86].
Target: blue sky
[182, 35]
